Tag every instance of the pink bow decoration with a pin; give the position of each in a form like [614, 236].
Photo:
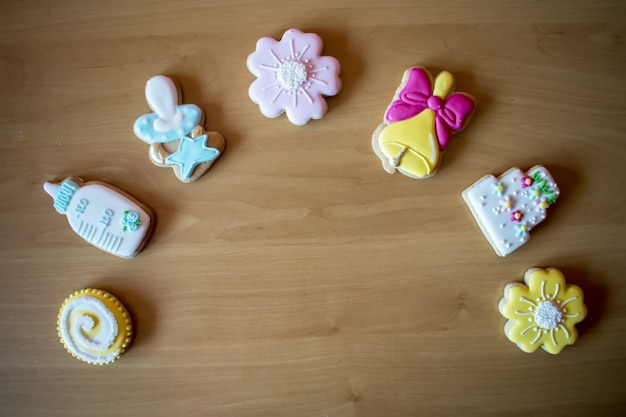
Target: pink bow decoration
[452, 113]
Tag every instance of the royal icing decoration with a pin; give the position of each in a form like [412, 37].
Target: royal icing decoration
[292, 77]
[191, 153]
[174, 132]
[543, 312]
[102, 215]
[94, 326]
[509, 207]
[420, 122]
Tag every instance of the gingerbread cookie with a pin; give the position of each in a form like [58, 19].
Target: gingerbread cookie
[94, 326]
[292, 77]
[175, 133]
[543, 312]
[104, 216]
[507, 208]
[419, 123]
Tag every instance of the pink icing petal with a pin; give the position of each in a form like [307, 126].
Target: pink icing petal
[325, 72]
[306, 111]
[259, 60]
[306, 45]
[261, 95]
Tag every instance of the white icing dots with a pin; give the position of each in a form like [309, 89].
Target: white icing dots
[292, 74]
[548, 315]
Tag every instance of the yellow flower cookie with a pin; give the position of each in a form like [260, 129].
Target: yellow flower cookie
[94, 326]
[543, 312]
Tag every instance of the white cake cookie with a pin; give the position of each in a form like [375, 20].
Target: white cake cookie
[507, 208]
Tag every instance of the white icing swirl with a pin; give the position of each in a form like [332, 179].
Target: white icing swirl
[77, 320]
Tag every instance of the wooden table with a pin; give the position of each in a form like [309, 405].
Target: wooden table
[297, 278]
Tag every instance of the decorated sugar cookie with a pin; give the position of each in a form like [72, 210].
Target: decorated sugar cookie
[292, 77]
[507, 208]
[543, 313]
[420, 122]
[175, 133]
[94, 326]
[104, 216]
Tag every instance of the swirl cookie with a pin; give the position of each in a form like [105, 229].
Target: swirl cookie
[175, 134]
[543, 313]
[419, 123]
[507, 208]
[104, 216]
[292, 77]
[94, 326]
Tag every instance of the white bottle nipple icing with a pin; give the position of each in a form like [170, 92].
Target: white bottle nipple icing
[162, 98]
[102, 215]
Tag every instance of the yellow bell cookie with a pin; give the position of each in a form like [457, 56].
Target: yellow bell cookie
[419, 123]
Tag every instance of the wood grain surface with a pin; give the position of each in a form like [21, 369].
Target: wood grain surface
[297, 278]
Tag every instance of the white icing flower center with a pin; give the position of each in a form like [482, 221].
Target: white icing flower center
[292, 74]
[548, 315]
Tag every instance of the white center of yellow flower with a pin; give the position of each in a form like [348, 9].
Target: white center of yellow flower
[292, 74]
[548, 315]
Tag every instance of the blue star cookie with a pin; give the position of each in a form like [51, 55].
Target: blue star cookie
[191, 153]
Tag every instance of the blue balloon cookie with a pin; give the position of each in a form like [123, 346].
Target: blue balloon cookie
[169, 122]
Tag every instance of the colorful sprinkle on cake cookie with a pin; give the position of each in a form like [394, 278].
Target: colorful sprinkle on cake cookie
[94, 326]
[543, 313]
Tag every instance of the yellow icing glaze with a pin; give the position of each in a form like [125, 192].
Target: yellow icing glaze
[444, 83]
[412, 143]
[542, 313]
[124, 325]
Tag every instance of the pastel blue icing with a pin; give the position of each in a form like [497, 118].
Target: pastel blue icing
[192, 152]
[144, 126]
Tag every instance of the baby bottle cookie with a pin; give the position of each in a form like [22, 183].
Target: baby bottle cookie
[419, 123]
[104, 216]
[175, 133]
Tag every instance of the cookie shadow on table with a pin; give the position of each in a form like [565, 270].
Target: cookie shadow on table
[337, 44]
[570, 183]
[143, 315]
[192, 91]
[462, 141]
[594, 292]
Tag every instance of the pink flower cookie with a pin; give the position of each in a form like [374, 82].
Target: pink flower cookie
[419, 123]
[292, 77]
